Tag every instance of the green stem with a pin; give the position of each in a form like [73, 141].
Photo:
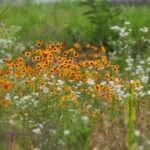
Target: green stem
[130, 117]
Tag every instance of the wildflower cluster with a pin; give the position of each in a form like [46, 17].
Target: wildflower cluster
[51, 84]
[8, 41]
[139, 71]
[52, 63]
[126, 44]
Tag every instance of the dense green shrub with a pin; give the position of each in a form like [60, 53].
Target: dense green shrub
[102, 15]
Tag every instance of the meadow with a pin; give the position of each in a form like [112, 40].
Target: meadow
[74, 76]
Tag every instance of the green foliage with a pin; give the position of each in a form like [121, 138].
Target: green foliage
[51, 22]
[102, 15]
[64, 20]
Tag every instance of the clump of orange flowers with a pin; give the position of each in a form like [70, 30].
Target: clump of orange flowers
[57, 62]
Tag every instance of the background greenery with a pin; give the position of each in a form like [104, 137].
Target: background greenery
[67, 21]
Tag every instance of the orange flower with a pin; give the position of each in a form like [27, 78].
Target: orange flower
[39, 43]
[104, 60]
[136, 84]
[97, 87]
[37, 58]
[115, 67]
[4, 103]
[6, 85]
[102, 49]
[20, 60]
[107, 76]
[77, 45]
[27, 53]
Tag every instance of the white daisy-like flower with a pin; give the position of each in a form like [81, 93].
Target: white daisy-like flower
[90, 81]
[66, 132]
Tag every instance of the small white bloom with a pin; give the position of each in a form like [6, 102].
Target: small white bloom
[144, 79]
[144, 29]
[85, 119]
[148, 92]
[128, 69]
[66, 132]
[37, 130]
[115, 28]
[137, 133]
[148, 142]
[140, 147]
[46, 90]
[11, 122]
[60, 82]
[41, 126]
[95, 148]
[59, 89]
[124, 34]
[127, 23]
[148, 60]
[1, 60]
[36, 148]
[33, 78]
[90, 81]
[16, 97]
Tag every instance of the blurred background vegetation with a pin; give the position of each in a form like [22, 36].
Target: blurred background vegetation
[70, 21]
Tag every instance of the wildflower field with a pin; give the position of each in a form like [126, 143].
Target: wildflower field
[82, 94]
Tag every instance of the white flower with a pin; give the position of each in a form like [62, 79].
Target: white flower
[90, 81]
[60, 82]
[11, 122]
[85, 119]
[127, 23]
[140, 147]
[33, 78]
[148, 61]
[46, 90]
[59, 89]
[37, 130]
[144, 29]
[66, 132]
[103, 83]
[41, 126]
[123, 33]
[115, 28]
[137, 133]
[148, 142]
[95, 148]
[36, 148]
[144, 79]
[148, 92]
[1, 60]
[128, 69]
[8, 96]
[16, 97]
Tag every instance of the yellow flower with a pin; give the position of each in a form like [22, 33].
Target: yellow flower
[115, 67]
[4, 103]
[6, 85]
[102, 49]
[136, 84]
[39, 43]
[77, 45]
[107, 76]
